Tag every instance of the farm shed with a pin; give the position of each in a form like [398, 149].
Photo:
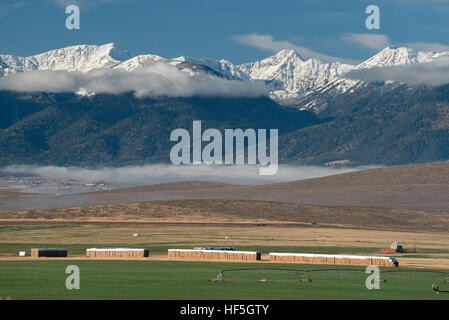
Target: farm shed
[214, 255]
[117, 253]
[310, 258]
[50, 252]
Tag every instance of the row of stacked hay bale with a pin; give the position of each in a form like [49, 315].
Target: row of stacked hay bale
[226, 254]
[48, 252]
[131, 253]
[213, 255]
[310, 258]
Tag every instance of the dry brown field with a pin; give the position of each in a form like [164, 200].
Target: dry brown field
[353, 213]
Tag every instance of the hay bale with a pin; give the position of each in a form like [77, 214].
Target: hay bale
[309, 258]
[48, 252]
[213, 255]
[125, 253]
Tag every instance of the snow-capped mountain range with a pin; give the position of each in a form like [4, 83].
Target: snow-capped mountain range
[75, 58]
[290, 76]
[287, 74]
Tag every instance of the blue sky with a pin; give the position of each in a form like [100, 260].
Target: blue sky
[239, 31]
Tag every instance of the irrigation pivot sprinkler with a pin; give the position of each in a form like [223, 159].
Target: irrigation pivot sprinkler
[437, 289]
[220, 275]
[304, 278]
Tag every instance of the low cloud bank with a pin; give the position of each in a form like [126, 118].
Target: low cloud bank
[157, 80]
[162, 173]
[431, 73]
[267, 43]
[372, 41]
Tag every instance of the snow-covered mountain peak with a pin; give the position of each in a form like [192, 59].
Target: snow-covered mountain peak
[223, 67]
[391, 56]
[73, 58]
[141, 61]
[274, 67]
[289, 54]
[290, 76]
[81, 58]
[396, 56]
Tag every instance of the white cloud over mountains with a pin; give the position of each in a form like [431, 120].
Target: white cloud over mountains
[8, 8]
[267, 43]
[84, 4]
[372, 41]
[428, 46]
[380, 41]
[430, 73]
[159, 80]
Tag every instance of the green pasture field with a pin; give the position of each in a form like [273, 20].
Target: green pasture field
[192, 280]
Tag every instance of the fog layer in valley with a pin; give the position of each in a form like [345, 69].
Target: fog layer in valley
[164, 173]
